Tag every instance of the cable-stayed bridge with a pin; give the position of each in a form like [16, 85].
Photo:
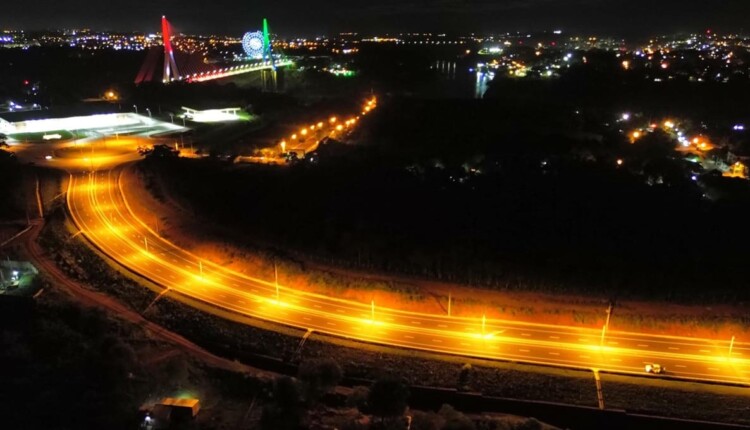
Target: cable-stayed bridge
[180, 66]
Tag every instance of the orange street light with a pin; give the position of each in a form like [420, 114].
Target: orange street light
[320, 124]
[303, 131]
[332, 120]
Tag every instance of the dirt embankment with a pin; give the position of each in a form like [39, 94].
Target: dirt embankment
[166, 215]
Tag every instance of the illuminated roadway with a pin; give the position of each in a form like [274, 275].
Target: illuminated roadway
[235, 70]
[103, 215]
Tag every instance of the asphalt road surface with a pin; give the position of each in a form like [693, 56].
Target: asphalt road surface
[103, 215]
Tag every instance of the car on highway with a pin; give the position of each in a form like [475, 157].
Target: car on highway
[656, 369]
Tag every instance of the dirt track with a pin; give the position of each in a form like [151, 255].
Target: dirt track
[87, 297]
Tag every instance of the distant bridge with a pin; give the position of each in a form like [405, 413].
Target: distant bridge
[235, 70]
[191, 68]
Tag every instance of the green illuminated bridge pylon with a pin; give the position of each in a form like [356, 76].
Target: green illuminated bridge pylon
[267, 56]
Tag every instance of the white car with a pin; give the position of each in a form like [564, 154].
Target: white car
[656, 369]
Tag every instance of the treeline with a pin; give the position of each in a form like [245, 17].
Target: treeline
[604, 86]
[67, 367]
[514, 220]
[11, 187]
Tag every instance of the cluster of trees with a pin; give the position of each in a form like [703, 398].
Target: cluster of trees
[65, 75]
[11, 186]
[603, 85]
[64, 368]
[521, 217]
[384, 405]
[292, 399]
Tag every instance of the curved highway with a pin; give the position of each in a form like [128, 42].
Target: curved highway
[100, 211]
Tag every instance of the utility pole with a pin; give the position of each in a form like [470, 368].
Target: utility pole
[731, 346]
[276, 279]
[449, 304]
[609, 314]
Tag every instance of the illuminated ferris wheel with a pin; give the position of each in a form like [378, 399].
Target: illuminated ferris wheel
[252, 43]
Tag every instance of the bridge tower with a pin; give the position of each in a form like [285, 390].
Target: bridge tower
[170, 66]
[267, 55]
[268, 77]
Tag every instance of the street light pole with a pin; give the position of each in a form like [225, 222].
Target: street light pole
[136, 109]
[276, 279]
[609, 314]
[449, 304]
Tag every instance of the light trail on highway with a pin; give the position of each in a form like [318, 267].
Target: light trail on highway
[100, 210]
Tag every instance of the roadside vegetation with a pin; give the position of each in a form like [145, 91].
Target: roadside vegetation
[520, 210]
[11, 187]
[323, 360]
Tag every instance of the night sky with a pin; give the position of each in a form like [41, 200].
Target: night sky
[306, 17]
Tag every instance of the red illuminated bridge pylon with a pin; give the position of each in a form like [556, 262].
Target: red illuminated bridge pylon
[170, 66]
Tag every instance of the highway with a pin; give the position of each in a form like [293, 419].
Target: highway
[101, 212]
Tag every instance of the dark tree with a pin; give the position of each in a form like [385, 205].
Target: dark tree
[159, 151]
[425, 421]
[285, 411]
[464, 377]
[358, 398]
[388, 398]
[455, 420]
[319, 377]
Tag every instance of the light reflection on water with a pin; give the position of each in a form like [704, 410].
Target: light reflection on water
[473, 83]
